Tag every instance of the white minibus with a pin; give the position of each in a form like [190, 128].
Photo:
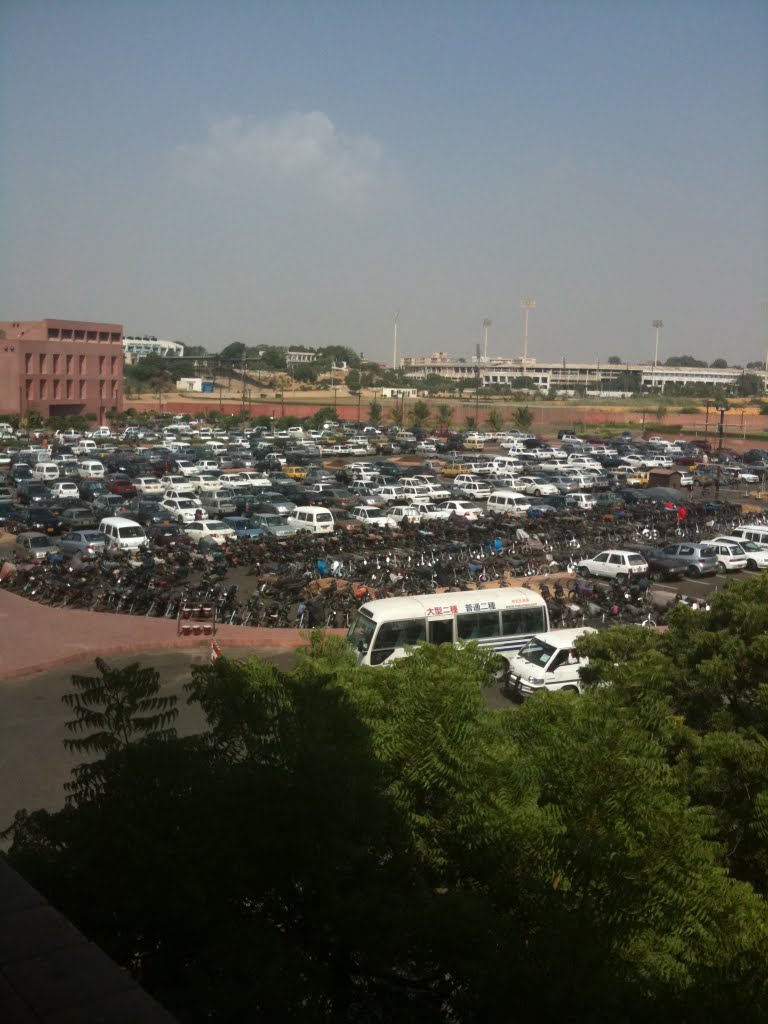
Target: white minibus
[757, 534]
[501, 619]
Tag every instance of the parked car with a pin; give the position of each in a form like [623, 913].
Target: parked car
[243, 526]
[183, 510]
[466, 509]
[35, 546]
[614, 564]
[86, 543]
[700, 559]
[663, 567]
[273, 525]
[757, 557]
[731, 556]
[78, 518]
[212, 529]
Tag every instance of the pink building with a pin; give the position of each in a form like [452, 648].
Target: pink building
[60, 367]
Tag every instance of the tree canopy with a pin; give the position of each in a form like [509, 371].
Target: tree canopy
[343, 843]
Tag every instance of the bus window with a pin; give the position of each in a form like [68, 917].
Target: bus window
[396, 635]
[515, 621]
[477, 625]
[441, 631]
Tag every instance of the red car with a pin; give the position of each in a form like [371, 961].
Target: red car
[119, 483]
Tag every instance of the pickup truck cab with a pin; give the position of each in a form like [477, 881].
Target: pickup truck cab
[547, 662]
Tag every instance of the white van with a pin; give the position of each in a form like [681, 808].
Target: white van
[90, 469]
[45, 471]
[122, 533]
[757, 534]
[312, 519]
[508, 503]
[85, 447]
[547, 662]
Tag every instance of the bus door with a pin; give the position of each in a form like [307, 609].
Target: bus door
[440, 631]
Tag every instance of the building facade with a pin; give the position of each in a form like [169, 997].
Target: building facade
[136, 348]
[564, 375]
[60, 368]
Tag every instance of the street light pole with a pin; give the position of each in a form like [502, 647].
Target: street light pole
[486, 324]
[722, 410]
[526, 304]
[394, 340]
[657, 325]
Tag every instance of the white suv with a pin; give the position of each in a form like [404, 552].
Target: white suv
[614, 565]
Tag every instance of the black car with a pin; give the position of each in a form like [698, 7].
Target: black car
[89, 490]
[147, 513]
[7, 510]
[662, 566]
[78, 518]
[32, 493]
[42, 520]
[19, 473]
[168, 535]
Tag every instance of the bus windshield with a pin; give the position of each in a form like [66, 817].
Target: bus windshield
[361, 633]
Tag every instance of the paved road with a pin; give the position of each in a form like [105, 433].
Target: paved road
[34, 764]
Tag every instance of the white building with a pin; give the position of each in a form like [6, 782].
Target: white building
[135, 348]
[565, 375]
[292, 358]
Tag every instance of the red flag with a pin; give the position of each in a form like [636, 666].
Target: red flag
[215, 652]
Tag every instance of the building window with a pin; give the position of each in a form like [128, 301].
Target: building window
[91, 335]
[113, 365]
[102, 389]
[80, 334]
[114, 389]
[29, 389]
[43, 362]
[115, 337]
[69, 389]
[56, 359]
[56, 389]
[53, 333]
[43, 388]
[28, 368]
[103, 335]
[81, 365]
[69, 359]
[81, 388]
[102, 365]
[66, 334]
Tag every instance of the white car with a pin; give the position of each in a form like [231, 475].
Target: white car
[177, 483]
[534, 485]
[186, 468]
[183, 510]
[580, 500]
[207, 466]
[731, 556]
[398, 514]
[174, 494]
[212, 528]
[392, 492]
[757, 557]
[255, 479]
[206, 483]
[429, 511]
[236, 480]
[66, 489]
[465, 509]
[614, 564]
[148, 485]
[479, 490]
[371, 516]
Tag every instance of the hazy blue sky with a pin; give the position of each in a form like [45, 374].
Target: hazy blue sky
[292, 172]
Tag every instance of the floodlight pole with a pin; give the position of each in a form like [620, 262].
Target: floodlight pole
[657, 325]
[526, 304]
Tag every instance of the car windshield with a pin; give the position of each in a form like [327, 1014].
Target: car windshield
[40, 542]
[708, 552]
[185, 503]
[213, 524]
[131, 532]
[93, 538]
[636, 560]
[537, 652]
[361, 632]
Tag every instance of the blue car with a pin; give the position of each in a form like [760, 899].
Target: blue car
[243, 527]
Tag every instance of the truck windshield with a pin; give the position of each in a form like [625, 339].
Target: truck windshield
[537, 652]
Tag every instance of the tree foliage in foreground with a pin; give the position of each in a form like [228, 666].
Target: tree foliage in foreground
[354, 844]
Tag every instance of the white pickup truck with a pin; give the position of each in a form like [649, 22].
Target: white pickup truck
[547, 662]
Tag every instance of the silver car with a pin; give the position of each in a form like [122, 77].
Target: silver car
[35, 546]
[87, 543]
[700, 559]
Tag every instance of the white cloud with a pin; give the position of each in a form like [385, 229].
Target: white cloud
[305, 151]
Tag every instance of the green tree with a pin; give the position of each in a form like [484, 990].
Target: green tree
[523, 418]
[396, 414]
[444, 414]
[615, 360]
[420, 413]
[374, 413]
[495, 419]
[719, 364]
[235, 351]
[470, 423]
[305, 373]
[353, 381]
